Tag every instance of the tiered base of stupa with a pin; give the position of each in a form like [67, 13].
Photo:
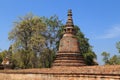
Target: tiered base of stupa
[69, 59]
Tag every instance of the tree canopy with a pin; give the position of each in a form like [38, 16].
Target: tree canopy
[35, 40]
[113, 60]
[118, 46]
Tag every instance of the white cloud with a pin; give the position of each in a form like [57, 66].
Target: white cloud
[111, 33]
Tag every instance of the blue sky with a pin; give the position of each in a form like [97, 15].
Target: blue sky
[99, 20]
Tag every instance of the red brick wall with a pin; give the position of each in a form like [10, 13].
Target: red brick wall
[58, 77]
[64, 73]
[69, 44]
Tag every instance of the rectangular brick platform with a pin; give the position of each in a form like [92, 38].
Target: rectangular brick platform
[64, 73]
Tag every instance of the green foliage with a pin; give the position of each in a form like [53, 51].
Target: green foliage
[27, 40]
[114, 60]
[106, 57]
[34, 40]
[53, 25]
[3, 55]
[25, 30]
[46, 58]
[118, 46]
[24, 59]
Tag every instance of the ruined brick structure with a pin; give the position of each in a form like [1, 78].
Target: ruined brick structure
[69, 53]
[7, 63]
[64, 73]
[69, 61]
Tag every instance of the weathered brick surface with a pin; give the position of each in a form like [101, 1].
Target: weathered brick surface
[69, 59]
[64, 73]
[109, 70]
[68, 44]
[58, 77]
[69, 47]
[68, 55]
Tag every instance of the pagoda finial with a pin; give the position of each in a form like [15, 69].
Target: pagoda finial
[69, 27]
[69, 22]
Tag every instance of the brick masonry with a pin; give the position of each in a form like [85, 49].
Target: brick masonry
[70, 64]
[69, 44]
[64, 73]
[69, 52]
[52, 77]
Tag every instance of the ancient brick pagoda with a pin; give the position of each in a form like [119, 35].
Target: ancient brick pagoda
[69, 52]
[68, 55]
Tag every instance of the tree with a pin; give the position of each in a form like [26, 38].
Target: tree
[85, 47]
[106, 57]
[115, 60]
[27, 38]
[53, 25]
[118, 46]
[3, 54]
[34, 40]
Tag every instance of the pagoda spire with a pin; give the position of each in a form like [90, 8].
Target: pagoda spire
[69, 22]
[69, 27]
